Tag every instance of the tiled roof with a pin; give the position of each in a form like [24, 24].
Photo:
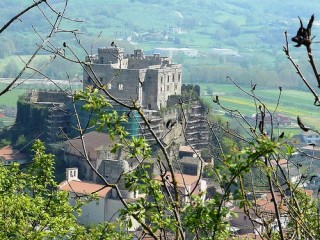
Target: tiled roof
[84, 188]
[8, 154]
[186, 149]
[92, 141]
[182, 179]
[281, 162]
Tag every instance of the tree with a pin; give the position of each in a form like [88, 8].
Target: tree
[44, 212]
[232, 27]
[32, 207]
[10, 70]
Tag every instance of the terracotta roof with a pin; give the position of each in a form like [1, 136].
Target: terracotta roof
[186, 149]
[182, 179]
[92, 140]
[84, 188]
[9, 154]
[281, 162]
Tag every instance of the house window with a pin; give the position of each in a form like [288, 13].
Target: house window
[109, 86]
[120, 86]
[101, 59]
[172, 78]
[89, 79]
[101, 79]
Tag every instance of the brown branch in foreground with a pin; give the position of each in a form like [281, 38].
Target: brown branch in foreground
[298, 71]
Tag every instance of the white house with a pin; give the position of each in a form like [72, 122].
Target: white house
[104, 209]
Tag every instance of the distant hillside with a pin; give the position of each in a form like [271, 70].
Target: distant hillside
[239, 38]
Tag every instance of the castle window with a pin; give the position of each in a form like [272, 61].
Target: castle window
[120, 86]
[172, 78]
[179, 76]
[101, 79]
[168, 79]
[89, 79]
[168, 88]
[161, 81]
[101, 59]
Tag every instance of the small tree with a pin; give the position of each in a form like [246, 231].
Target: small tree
[32, 207]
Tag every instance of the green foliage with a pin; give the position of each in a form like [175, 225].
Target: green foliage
[104, 118]
[155, 208]
[32, 207]
[4, 142]
[304, 216]
[11, 70]
[206, 220]
[21, 141]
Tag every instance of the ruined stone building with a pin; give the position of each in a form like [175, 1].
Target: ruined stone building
[150, 80]
[153, 82]
[44, 114]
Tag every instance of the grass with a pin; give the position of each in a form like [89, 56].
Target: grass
[10, 98]
[292, 103]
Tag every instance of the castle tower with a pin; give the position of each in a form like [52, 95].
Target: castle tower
[110, 55]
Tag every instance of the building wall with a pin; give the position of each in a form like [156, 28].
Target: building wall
[85, 171]
[124, 84]
[150, 79]
[112, 169]
[92, 212]
[48, 96]
[243, 222]
[112, 212]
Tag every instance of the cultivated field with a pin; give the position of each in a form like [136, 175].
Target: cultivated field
[292, 103]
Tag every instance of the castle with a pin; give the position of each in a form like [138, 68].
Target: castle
[148, 80]
[154, 82]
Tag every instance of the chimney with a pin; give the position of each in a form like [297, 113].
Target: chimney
[72, 174]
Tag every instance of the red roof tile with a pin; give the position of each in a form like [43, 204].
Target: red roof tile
[84, 188]
[9, 154]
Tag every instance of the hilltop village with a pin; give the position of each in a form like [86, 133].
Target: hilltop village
[175, 116]
[174, 112]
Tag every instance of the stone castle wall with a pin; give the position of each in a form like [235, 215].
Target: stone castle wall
[148, 79]
[45, 96]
